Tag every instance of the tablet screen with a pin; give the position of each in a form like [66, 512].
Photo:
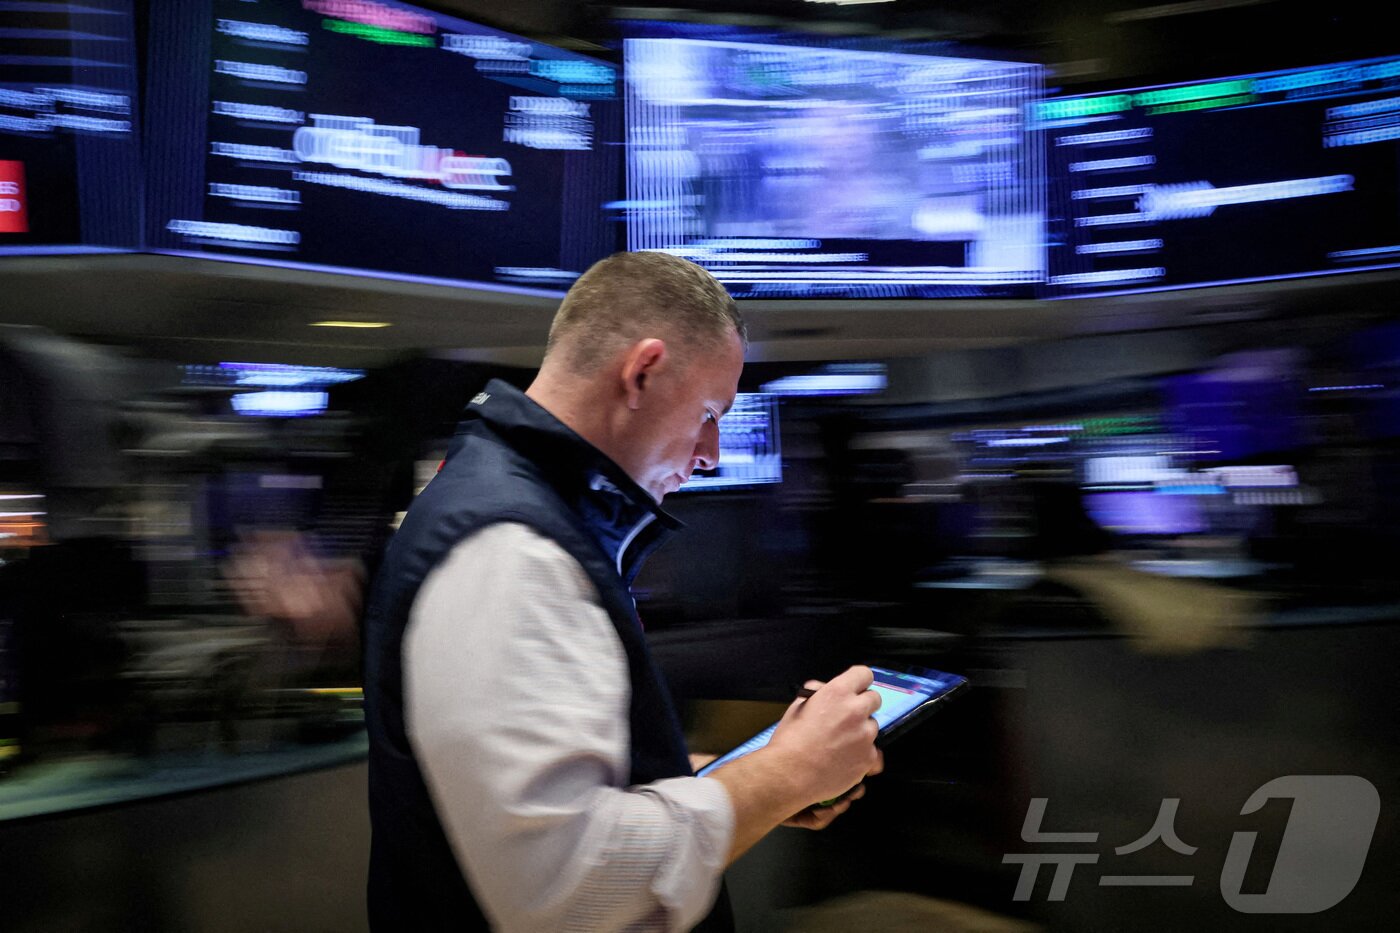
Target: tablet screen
[900, 694]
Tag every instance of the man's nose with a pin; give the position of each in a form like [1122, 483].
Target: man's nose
[706, 454]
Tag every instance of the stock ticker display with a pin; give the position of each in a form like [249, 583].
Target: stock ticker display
[377, 136]
[1264, 176]
[69, 160]
[794, 172]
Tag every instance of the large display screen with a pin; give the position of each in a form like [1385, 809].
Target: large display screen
[794, 172]
[69, 166]
[377, 136]
[1262, 176]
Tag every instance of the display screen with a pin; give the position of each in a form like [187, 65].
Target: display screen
[1132, 512]
[1236, 179]
[70, 177]
[1245, 405]
[832, 380]
[794, 172]
[280, 404]
[900, 694]
[749, 449]
[380, 137]
[267, 375]
[1374, 362]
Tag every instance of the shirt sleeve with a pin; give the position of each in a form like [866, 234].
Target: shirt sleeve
[516, 695]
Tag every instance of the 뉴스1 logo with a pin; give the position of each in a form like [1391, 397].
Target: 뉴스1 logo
[14, 213]
[1320, 857]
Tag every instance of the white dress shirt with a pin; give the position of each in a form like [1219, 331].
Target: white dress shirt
[516, 695]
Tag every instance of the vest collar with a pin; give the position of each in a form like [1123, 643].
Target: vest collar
[626, 519]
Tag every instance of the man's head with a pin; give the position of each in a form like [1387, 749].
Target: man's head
[643, 358]
[629, 296]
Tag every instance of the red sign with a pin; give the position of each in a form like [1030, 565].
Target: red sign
[14, 215]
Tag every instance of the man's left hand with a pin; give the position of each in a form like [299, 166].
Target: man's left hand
[819, 817]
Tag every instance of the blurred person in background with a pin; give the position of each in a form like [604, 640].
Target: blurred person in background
[311, 602]
[1161, 614]
[527, 768]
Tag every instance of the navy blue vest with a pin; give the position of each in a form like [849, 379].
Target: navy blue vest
[511, 461]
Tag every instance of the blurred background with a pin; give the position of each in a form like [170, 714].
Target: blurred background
[1075, 369]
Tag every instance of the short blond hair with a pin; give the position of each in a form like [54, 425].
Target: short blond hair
[630, 296]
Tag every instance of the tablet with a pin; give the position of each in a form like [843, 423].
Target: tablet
[906, 697]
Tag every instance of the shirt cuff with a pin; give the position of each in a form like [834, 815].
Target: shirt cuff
[688, 881]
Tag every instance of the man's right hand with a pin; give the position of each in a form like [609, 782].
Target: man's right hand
[829, 737]
[823, 747]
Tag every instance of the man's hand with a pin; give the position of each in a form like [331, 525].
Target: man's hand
[818, 817]
[829, 737]
[823, 748]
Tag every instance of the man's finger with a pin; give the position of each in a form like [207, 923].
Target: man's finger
[820, 817]
[857, 679]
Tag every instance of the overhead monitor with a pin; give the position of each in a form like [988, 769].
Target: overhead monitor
[790, 171]
[70, 178]
[378, 137]
[1238, 179]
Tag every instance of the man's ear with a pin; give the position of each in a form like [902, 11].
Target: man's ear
[640, 365]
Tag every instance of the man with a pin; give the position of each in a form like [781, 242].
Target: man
[527, 770]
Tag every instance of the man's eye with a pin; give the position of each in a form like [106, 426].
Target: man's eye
[711, 418]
